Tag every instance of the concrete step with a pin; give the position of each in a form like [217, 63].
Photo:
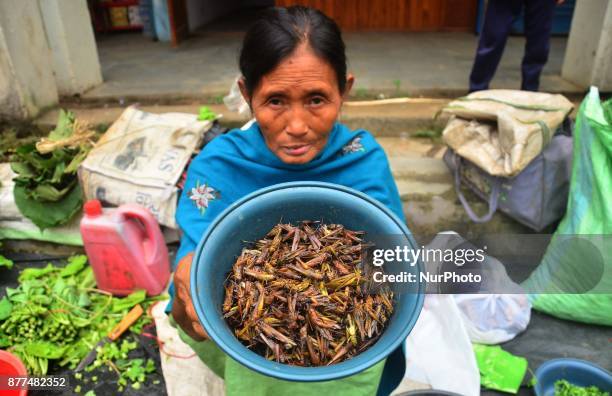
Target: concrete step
[104, 116]
[412, 189]
[406, 146]
[390, 117]
[423, 169]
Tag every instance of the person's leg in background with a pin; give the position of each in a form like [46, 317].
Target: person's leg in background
[493, 37]
[538, 24]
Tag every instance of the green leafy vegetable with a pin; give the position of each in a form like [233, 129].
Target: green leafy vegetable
[130, 371]
[34, 273]
[44, 349]
[46, 189]
[128, 302]
[564, 388]
[206, 114]
[75, 265]
[57, 315]
[49, 214]
[63, 129]
[5, 308]
[5, 262]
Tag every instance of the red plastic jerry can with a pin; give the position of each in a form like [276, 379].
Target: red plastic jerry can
[126, 249]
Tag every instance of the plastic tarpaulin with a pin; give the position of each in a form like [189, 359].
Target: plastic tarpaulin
[575, 277]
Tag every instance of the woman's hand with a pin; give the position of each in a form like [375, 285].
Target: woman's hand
[182, 308]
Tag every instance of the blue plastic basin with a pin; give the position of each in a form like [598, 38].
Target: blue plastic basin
[249, 220]
[575, 371]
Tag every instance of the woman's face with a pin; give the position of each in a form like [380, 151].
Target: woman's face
[296, 105]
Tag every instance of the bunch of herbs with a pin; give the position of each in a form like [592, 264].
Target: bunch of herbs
[46, 187]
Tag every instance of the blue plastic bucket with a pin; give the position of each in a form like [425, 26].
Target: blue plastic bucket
[576, 372]
[250, 219]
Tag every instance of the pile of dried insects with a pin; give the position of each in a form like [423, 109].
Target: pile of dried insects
[301, 296]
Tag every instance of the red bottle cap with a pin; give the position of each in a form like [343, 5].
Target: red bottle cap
[92, 208]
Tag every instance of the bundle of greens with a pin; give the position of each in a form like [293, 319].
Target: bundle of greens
[46, 187]
[56, 315]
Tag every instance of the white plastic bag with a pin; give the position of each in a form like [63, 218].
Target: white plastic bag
[494, 318]
[235, 102]
[500, 311]
[438, 346]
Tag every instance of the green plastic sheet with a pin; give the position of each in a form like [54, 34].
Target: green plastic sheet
[499, 370]
[574, 279]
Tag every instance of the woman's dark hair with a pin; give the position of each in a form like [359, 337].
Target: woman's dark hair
[279, 31]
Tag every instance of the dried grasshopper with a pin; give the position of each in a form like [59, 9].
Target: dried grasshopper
[300, 296]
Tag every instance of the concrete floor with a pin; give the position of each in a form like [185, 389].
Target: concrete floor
[393, 64]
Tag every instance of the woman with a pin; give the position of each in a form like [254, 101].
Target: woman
[294, 79]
